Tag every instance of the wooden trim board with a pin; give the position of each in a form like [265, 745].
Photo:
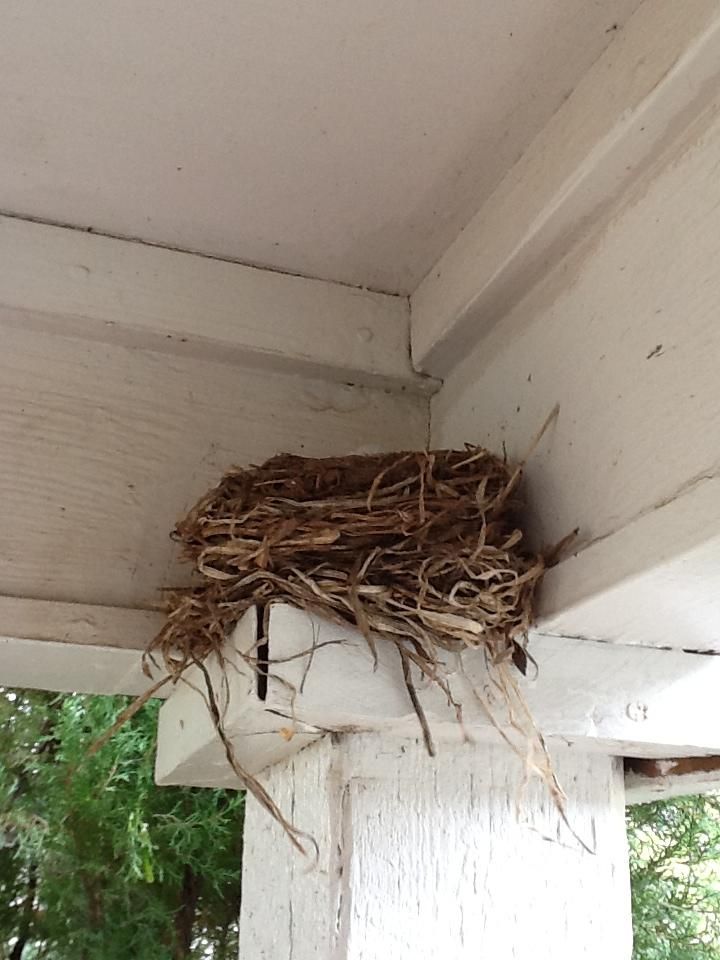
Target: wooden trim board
[657, 75]
[70, 282]
[74, 647]
[616, 699]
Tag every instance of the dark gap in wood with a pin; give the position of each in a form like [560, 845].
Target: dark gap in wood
[263, 655]
[672, 766]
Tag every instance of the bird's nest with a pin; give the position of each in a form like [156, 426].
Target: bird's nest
[421, 550]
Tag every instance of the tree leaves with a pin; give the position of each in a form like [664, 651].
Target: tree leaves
[675, 873]
[114, 856]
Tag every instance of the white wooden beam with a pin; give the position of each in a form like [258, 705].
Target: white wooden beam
[71, 668]
[74, 283]
[452, 857]
[658, 74]
[625, 700]
[105, 448]
[655, 582]
[78, 623]
[616, 699]
[624, 338]
[189, 750]
[72, 647]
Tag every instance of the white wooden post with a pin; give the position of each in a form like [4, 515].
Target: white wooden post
[457, 856]
[446, 858]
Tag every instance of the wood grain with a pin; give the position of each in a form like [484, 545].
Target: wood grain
[422, 858]
[104, 447]
[77, 623]
[608, 698]
[624, 336]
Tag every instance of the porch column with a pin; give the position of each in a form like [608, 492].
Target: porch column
[447, 858]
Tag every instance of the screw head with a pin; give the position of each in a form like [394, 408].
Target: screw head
[637, 711]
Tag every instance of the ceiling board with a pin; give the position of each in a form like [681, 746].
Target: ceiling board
[348, 141]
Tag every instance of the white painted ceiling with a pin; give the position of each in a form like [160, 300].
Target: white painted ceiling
[343, 139]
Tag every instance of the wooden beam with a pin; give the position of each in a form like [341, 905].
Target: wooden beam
[71, 668]
[650, 780]
[189, 750]
[654, 582]
[617, 699]
[72, 647]
[74, 283]
[78, 623]
[105, 448]
[624, 699]
[624, 338]
[656, 76]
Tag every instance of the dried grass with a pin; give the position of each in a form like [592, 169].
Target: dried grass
[422, 550]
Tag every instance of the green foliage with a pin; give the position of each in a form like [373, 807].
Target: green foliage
[96, 862]
[675, 873]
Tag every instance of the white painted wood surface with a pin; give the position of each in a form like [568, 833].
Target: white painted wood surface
[662, 69]
[454, 857]
[655, 582]
[290, 907]
[78, 284]
[73, 668]
[105, 447]
[619, 700]
[624, 336]
[189, 750]
[76, 647]
[349, 140]
[78, 623]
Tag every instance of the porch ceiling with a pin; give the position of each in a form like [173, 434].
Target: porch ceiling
[347, 141]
